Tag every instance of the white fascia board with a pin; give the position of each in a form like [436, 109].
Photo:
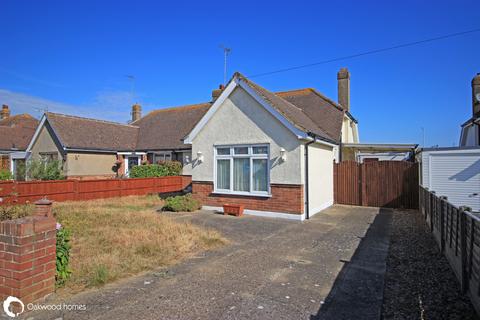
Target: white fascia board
[132, 153]
[19, 155]
[223, 96]
[458, 151]
[37, 132]
[325, 143]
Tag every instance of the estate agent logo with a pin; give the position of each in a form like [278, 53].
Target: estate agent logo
[8, 302]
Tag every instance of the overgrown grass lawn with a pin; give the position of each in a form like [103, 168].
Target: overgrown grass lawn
[116, 238]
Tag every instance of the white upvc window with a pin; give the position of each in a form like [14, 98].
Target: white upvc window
[162, 156]
[242, 169]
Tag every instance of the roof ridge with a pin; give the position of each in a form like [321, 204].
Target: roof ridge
[318, 93]
[91, 119]
[187, 106]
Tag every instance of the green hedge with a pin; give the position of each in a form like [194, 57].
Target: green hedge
[5, 174]
[181, 204]
[167, 168]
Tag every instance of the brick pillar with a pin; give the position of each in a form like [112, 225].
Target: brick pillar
[28, 256]
[43, 208]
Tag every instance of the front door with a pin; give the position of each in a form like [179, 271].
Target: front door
[132, 161]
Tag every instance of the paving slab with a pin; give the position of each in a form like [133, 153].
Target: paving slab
[271, 269]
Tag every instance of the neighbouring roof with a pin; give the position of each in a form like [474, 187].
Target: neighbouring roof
[92, 134]
[159, 129]
[17, 131]
[307, 109]
[475, 119]
[166, 128]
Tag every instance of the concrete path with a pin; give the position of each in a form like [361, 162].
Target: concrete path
[272, 269]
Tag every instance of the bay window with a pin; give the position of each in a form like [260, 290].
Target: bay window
[242, 169]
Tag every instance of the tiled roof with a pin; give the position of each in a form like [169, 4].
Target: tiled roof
[17, 131]
[92, 134]
[307, 109]
[166, 128]
[326, 114]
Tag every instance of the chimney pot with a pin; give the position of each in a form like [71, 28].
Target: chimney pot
[136, 112]
[475, 92]
[5, 113]
[343, 78]
[217, 92]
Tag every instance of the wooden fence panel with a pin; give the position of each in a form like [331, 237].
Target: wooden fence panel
[77, 190]
[457, 232]
[347, 186]
[392, 184]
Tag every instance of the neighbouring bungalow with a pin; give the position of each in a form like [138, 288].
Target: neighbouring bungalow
[97, 149]
[273, 153]
[15, 134]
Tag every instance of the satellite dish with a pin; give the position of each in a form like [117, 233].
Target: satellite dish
[478, 97]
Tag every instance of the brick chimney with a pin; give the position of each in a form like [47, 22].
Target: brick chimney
[476, 95]
[5, 113]
[217, 92]
[343, 77]
[136, 112]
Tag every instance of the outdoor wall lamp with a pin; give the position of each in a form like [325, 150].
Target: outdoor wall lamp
[283, 154]
[199, 156]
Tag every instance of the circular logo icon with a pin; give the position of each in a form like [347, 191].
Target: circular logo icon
[8, 302]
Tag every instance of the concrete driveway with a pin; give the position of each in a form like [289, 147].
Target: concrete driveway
[272, 269]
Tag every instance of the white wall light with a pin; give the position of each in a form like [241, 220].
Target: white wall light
[283, 154]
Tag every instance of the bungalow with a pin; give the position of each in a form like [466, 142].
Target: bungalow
[273, 153]
[96, 149]
[15, 132]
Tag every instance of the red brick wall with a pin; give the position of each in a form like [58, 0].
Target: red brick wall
[27, 257]
[286, 198]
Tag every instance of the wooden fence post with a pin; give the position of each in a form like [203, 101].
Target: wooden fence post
[363, 184]
[433, 212]
[463, 249]
[443, 199]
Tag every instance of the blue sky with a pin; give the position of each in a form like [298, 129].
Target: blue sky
[74, 57]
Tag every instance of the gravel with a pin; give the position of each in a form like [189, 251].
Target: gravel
[419, 283]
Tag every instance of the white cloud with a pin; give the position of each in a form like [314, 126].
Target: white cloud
[109, 105]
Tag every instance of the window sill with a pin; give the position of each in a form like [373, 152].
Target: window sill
[244, 194]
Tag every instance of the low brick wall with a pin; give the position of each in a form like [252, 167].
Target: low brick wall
[28, 255]
[286, 198]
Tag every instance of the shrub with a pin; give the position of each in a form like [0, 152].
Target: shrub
[181, 204]
[63, 255]
[40, 170]
[162, 169]
[10, 212]
[5, 175]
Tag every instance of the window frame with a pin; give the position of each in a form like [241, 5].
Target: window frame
[251, 156]
[163, 154]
